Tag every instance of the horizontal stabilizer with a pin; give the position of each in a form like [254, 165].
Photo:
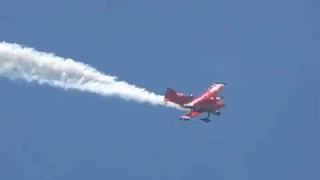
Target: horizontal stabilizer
[187, 106]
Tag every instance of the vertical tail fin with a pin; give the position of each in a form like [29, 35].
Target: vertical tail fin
[170, 95]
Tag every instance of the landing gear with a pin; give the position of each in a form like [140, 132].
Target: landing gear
[206, 119]
[217, 113]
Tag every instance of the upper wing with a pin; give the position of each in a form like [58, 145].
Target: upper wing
[210, 92]
[190, 114]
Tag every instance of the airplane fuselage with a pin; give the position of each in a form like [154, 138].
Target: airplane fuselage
[209, 105]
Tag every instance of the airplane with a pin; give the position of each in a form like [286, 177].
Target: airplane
[207, 102]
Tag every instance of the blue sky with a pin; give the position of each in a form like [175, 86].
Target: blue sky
[266, 52]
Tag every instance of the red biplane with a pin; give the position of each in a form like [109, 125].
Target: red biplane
[208, 102]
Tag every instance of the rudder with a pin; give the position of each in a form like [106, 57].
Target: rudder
[170, 95]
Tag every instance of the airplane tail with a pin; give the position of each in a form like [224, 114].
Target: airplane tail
[170, 95]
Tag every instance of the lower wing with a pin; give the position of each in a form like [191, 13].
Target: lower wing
[190, 114]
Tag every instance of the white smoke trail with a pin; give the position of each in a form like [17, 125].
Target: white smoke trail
[19, 62]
